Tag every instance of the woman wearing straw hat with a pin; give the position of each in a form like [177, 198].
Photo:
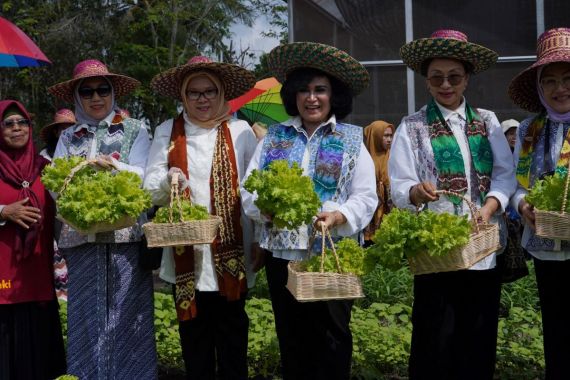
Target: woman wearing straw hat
[541, 149]
[210, 153]
[110, 310]
[319, 82]
[63, 119]
[450, 145]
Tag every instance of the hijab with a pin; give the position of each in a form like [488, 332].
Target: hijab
[19, 168]
[552, 114]
[80, 115]
[222, 113]
[373, 137]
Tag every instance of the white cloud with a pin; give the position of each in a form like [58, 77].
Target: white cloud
[244, 36]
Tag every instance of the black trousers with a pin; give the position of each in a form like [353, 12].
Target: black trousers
[216, 338]
[455, 319]
[314, 337]
[553, 280]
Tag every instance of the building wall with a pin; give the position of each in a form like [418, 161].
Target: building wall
[373, 31]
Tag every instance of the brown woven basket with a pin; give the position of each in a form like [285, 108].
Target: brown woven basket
[552, 224]
[321, 286]
[483, 241]
[183, 232]
[123, 222]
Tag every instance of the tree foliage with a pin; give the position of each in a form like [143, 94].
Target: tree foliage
[139, 38]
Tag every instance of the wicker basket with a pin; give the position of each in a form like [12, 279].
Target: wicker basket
[183, 232]
[552, 224]
[483, 241]
[321, 286]
[123, 222]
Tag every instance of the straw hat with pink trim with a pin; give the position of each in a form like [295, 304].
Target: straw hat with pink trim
[122, 84]
[447, 43]
[63, 116]
[552, 46]
[235, 79]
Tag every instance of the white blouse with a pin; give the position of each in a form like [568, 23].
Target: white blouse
[200, 143]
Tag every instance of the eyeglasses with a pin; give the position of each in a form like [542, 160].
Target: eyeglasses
[208, 94]
[88, 92]
[453, 79]
[551, 84]
[12, 123]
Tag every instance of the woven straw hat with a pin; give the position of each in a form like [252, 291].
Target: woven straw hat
[552, 46]
[122, 85]
[236, 79]
[63, 116]
[285, 58]
[447, 43]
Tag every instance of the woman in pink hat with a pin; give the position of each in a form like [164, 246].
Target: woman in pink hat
[110, 310]
[451, 145]
[542, 149]
[210, 152]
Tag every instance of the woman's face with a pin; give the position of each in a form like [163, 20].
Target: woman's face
[314, 101]
[96, 97]
[15, 131]
[555, 83]
[387, 138]
[511, 136]
[202, 99]
[446, 81]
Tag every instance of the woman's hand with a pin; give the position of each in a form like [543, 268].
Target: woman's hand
[330, 219]
[104, 162]
[21, 214]
[257, 257]
[526, 210]
[182, 180]
[423, 192]
[489, 208]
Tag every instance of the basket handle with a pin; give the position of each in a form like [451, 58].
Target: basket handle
[76, 169]
[326, 235]
[174, 197]
[472, 208]
[566, 188]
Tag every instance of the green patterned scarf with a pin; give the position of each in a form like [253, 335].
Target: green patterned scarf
[448, 158]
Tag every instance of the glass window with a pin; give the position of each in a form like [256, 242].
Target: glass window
[506, 26]
[385, 98]
[556, 14]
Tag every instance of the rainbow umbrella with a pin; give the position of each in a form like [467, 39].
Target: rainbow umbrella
[261, 104]
[17, 49]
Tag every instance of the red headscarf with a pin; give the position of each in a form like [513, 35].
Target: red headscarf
[19, 168]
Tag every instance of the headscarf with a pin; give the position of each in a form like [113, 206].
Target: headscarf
[221, 114]
[552, 114]
[373, 137]
[80, 115]
[19, 168]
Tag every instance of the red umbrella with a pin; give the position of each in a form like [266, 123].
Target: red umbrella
[17, 49]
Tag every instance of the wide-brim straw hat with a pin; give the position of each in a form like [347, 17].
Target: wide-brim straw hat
[63, 116]
[447, 43]
[235, 79]
[122, 84]
[283, 59]
[552, 46]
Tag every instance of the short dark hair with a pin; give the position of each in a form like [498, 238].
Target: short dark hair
[299, 79]
[468, 67]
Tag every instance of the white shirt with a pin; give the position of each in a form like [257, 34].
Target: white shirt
[358, 208]
[200, 143]
[407, 165]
